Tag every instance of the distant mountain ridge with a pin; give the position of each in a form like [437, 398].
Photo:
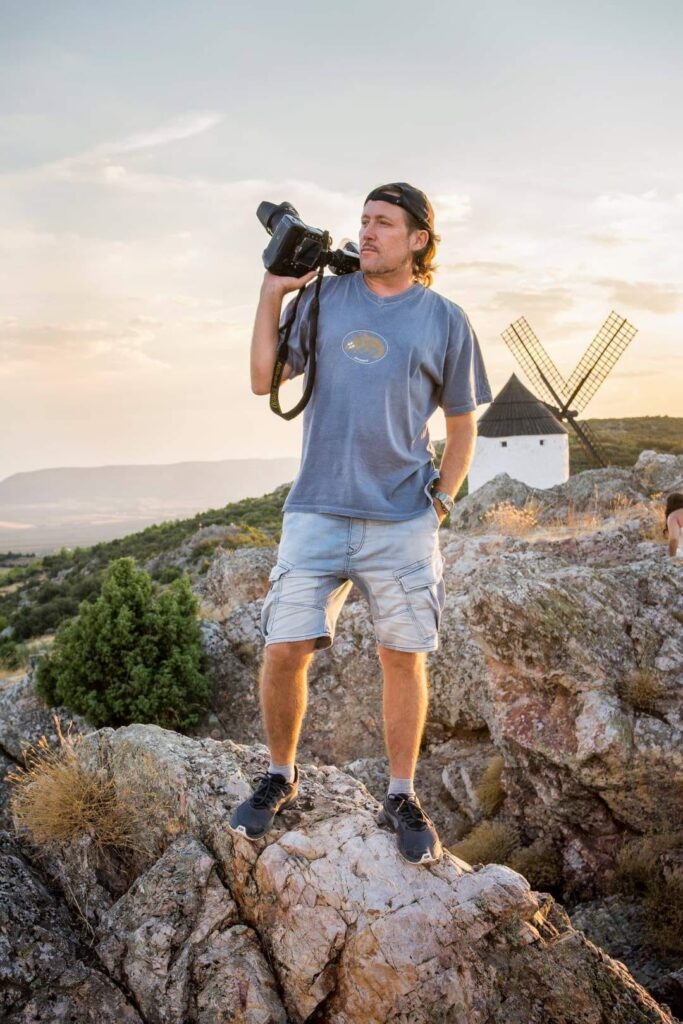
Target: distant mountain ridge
[214, 481]
[45, 509]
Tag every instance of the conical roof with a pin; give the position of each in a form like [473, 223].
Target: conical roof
[516, 411]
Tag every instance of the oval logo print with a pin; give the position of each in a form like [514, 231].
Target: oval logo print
[364, 347]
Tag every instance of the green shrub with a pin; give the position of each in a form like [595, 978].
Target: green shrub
[132, 655]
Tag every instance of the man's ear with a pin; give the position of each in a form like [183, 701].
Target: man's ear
[420, 239]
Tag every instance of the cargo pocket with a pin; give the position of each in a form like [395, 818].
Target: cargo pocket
[425, 593]
[273, 595]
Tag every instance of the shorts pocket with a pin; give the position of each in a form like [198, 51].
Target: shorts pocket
[424, 591]
[272, 597]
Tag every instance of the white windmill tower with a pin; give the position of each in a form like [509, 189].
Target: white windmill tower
[520, 436]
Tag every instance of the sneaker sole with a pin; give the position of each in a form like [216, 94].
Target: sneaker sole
[426, 858]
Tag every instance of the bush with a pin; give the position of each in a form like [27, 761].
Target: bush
[488, 842]
[641, 874]
[642, 690]
[489, 791]
[133, 655]
[540, 863]
[121, 802]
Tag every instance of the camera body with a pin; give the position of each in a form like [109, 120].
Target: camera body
[295, 248]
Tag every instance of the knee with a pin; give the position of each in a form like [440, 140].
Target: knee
[290, 654]
[404, 660]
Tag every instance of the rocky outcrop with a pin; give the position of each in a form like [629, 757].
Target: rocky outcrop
[595, 490]
[322, 921]
[46, 971]
[24, 717]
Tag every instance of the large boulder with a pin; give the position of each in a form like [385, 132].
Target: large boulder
[322, 921]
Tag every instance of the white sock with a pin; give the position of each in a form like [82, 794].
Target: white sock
[282, 769]
[397, 786]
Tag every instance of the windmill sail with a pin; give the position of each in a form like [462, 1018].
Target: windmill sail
[573, 395]
[535, 361]
[599, 359]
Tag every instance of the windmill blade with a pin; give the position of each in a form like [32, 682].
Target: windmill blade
[598, 361]
[589, 441]
[534, 360]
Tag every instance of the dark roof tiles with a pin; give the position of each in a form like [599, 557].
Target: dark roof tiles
[515, 411]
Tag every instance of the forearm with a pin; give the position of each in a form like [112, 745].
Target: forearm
[264, 340]
[457, 455]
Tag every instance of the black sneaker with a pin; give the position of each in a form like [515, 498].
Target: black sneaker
[254, 817]
[417, 839]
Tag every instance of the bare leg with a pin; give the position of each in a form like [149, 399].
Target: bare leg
[283, 691]
[405, 707]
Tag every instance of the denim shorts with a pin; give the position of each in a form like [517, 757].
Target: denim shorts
[396, 565]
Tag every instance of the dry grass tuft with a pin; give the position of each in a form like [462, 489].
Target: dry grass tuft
[642, 690]
[489, 792]
[125, 807]
[511, 520]
[540, 863]
[640, 874]
[489, 842]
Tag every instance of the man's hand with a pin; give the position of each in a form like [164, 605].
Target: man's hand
[274, 285]
[440, 510]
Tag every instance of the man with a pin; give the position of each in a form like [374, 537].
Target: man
[367, 502]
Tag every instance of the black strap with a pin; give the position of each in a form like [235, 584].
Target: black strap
[283, 351]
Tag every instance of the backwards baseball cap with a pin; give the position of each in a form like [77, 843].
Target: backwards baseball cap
[410, 198]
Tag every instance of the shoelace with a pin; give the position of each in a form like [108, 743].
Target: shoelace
[411, 814]
[271, 787]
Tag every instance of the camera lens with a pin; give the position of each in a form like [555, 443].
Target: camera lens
[271, 214]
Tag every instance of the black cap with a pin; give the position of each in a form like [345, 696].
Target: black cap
[410, 198]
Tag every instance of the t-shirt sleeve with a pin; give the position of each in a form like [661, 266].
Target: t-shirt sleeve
[297, 356]
[465, 383]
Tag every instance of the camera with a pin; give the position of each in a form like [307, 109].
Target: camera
[296, 248]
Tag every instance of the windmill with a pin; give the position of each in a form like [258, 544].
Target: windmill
[570, 397]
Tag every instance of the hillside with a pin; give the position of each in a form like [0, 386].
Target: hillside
[44, 510]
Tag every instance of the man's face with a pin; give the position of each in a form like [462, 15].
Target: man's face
[386, 245]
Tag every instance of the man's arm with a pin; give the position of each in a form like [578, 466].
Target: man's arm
[266, 325]
[461, 436]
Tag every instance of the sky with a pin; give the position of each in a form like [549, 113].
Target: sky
[137, 139]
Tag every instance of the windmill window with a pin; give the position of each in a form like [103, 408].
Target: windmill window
[503, 444]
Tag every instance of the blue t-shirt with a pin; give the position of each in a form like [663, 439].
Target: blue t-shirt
[384, 364]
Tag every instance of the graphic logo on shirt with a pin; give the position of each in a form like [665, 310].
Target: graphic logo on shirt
[364, 347]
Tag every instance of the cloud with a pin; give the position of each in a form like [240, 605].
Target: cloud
[95, 165]
[183, 127]
[451, 209]
[656, 297]
[480, 266]
[538, 300]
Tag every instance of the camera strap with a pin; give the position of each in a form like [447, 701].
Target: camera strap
[283, 351]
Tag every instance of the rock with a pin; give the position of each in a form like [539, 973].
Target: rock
[235, 578]
[324, 914]
[669, 990]
[658, 473]
[46, 973]
[175, 940]
[24, 718]
[616, 924]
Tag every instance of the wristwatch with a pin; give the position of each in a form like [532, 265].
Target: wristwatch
[445, 499]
